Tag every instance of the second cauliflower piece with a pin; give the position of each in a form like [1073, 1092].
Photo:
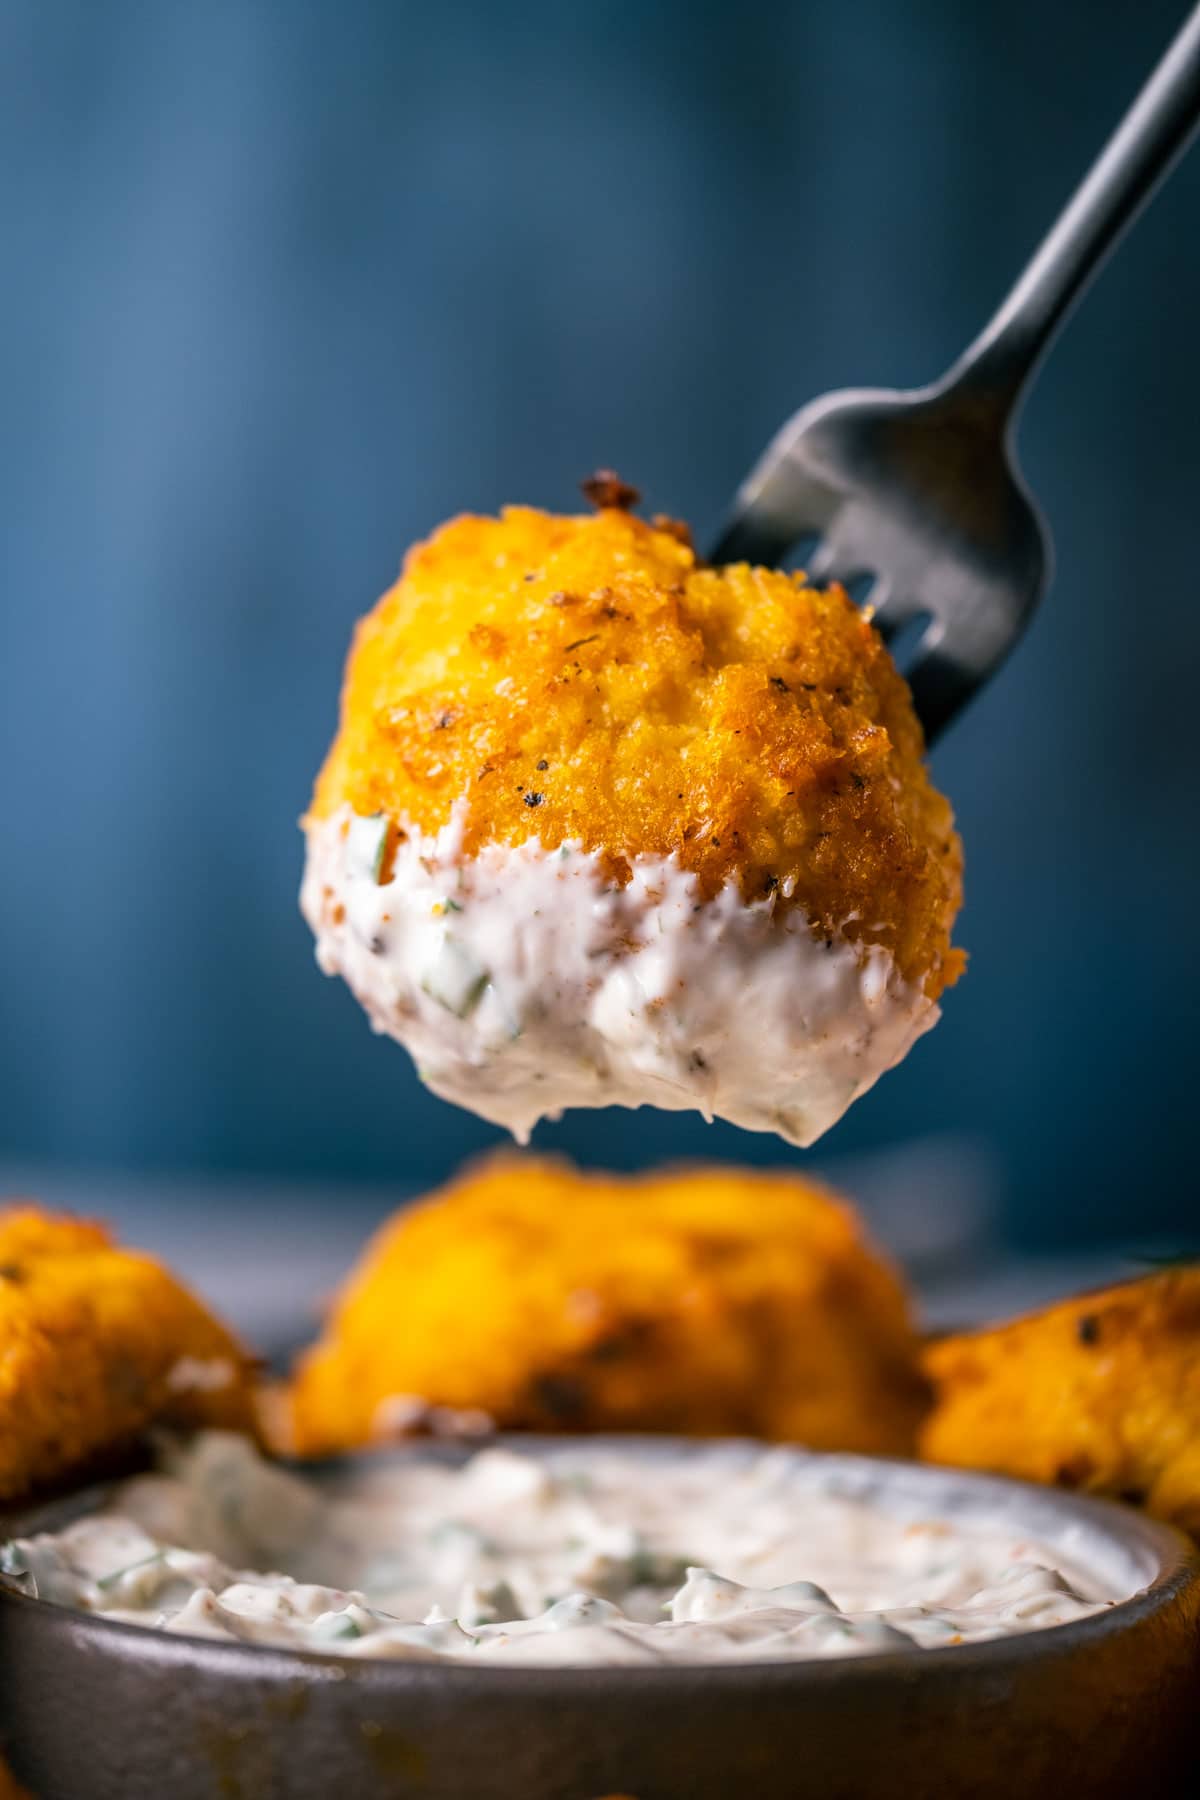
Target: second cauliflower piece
[709, 1301]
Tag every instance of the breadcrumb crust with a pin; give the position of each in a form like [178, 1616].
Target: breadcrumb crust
[1100, 1392]
[708, 1300]
[91, 1340]
[586, 678]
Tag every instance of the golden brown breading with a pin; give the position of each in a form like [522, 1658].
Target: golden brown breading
[587, 679]
[707, 1301]
[1101, 1392]
[96, 1344]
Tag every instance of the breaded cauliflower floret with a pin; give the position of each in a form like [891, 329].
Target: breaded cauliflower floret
[96, 1344]
[1101, 1392]
[601, 824]
[585, 679]
[706, 1301]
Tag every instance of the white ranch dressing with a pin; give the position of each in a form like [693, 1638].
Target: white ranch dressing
[523, 981]
[582, 1556]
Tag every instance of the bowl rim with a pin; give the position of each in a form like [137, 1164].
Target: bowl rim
[1174, 1557]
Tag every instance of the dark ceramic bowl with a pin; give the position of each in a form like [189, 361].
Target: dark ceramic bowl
[93, 1710]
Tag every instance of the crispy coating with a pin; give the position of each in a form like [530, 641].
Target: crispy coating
[96, 1344]
[587, 679]
[1101, 1392]
[704, 1301]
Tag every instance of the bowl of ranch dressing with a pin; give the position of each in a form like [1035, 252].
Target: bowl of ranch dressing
[581, 1617]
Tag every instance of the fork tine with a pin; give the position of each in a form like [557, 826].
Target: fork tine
[940, 683]
[893, 607]
[875, 604]
[776, 505]
[751, 537]
[825, 564]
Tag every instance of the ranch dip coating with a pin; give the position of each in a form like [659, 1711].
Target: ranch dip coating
[523, 981]
[582, 1556]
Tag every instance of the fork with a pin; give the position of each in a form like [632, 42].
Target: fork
[917, 493]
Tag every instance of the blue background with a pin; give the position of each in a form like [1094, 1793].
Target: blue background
[286, 284]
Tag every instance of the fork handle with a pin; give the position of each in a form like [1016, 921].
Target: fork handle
[1153, 133]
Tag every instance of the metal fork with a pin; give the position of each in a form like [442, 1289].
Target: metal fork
[920, 490]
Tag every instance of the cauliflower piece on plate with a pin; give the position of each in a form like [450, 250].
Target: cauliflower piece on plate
[530, 1296]
[1100, 1392]
[97, 1344]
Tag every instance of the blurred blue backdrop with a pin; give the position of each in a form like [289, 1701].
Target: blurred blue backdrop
[287, 282]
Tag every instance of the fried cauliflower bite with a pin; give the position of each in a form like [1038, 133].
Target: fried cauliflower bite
[96, 1344]
[705, 1301]
[1101, 1393]
[603, 825]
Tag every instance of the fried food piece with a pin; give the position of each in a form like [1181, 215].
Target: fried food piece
[752, 726]
[96, 1344]
[718, 741]
[1101, 1393]
[706, 1301]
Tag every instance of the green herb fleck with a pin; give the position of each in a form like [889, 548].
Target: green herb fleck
[379, 860]
[336, 1625]
[115, 1575]
[455, 980]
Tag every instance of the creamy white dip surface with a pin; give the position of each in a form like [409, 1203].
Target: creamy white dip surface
[523, 981]
[584, 1555]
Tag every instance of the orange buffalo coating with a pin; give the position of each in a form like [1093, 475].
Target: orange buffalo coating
[706, 1301]
[1101, 1392]
[97, 1344]
[588, 679]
